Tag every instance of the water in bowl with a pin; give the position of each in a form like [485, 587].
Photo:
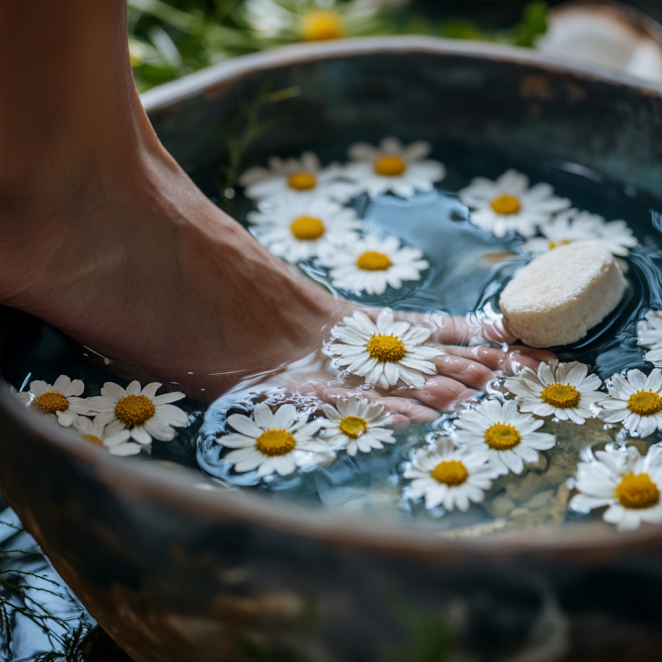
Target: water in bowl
[468, 269]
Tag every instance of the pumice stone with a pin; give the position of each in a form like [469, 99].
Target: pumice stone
[558, 297]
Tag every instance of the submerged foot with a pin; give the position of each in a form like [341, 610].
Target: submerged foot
[146, 271]
[106, 238]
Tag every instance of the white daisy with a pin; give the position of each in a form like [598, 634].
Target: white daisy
[274, 442]
[393, 167]
[507, 437]
[302, 177]
[564, 390]
[357, 425]
[142, 412]
[59, 401]
[449, 476]
[116, 444]
[283, 21]
[509, 204]
[303, 227]
[625, 482]
[385, 352]
[650, 335]
[574, 225]
[371, 264]
[635, 401]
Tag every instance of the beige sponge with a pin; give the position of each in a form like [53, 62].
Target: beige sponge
[559, 296]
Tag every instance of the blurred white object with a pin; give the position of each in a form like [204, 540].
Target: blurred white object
[607, 34]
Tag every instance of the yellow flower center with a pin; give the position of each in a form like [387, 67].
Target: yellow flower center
[134, 410]
[386, 349]
[373, 261]
[322, 24]
[637, 491]
[645, 403]
[307, 228]
[302, 181]
[390, 165]
[563, 242]
[353, 426]
[506, 204]
[275, 442]
[93, 439]
[562, 396]
[450, 472]
[502, 437]
[50, 402]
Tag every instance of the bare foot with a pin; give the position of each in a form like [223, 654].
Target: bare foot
[105, 237]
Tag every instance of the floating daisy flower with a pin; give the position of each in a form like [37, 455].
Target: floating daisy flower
[304, 227]
[274, 442]
[650, 335]
[564, 390]
[449, 476]
[357, 425]
[116, 444]
[302, 177]
[59, 401]
[509, 204]
[371, 264]
[574, 225]
[635, 401]
[384, 353]
[311, 20]
[393, 167]
[142, 412]
[507, 437]
[625, 482]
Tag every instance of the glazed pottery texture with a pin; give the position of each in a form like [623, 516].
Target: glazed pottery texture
[178, 570]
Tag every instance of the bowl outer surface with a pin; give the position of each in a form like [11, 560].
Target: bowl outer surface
[176, 569]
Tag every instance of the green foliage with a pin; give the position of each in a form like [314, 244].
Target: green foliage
[170, 38]
[72, 646]
[458, 28]
[533, 24]
[31, 593]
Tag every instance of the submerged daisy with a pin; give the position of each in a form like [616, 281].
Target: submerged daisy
[301, 228]
[393, 167]
[59, 401]
[449, 476]
[274, 442]
[384, 353]
[371, 264]
[142, 412]
[649, 331]
[357, 425]
[507, 437]
[304, 177]
[509, 204]
[97, 434]
[574, 225]
[625, 482]
[564, 390]
[635, 401]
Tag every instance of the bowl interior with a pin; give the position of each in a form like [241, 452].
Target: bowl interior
[481, 103]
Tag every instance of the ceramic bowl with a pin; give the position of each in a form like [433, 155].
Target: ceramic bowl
[176, 569]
